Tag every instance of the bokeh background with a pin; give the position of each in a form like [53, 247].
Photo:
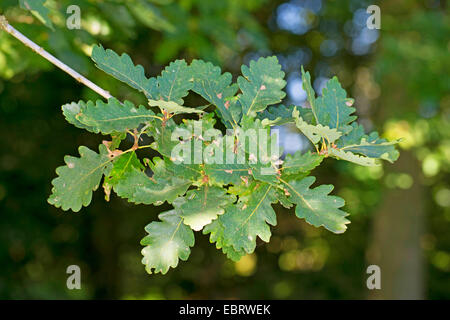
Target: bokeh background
[399, 76]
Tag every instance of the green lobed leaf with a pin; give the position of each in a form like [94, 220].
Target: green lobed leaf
[250, 218]
[311, 95]
[379, 148]
[167, 242]
[316, 206]
[332, 108]
[107, 117]
[76, 181]
[372, 146]
[70, 112]
[351, 157]
[122, 68]
[215, 87]
[174, 82]
[201, 206]
[261, 85]
[216, 230]
[369, 145]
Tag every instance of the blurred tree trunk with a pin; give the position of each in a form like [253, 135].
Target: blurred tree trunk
[397, 230]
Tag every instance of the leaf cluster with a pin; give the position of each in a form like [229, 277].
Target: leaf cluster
[228, 198]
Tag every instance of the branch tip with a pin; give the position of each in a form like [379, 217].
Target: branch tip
[3, 22]
[27, 42]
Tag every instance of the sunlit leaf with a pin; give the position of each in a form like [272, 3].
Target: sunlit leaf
[250, 218]
[167, 242]
[315, 132]
[199, 207]
[316, 206]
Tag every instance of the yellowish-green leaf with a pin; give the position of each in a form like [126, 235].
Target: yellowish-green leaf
[167, 242]
[199, 207]
[172, 107]
[315, 132]
[351, 157]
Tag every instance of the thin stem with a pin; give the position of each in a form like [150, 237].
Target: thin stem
[144, 147]
[16, 34]
[131, 149]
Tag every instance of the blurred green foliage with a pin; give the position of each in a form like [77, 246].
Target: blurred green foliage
[397, 75]
[414, 59]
